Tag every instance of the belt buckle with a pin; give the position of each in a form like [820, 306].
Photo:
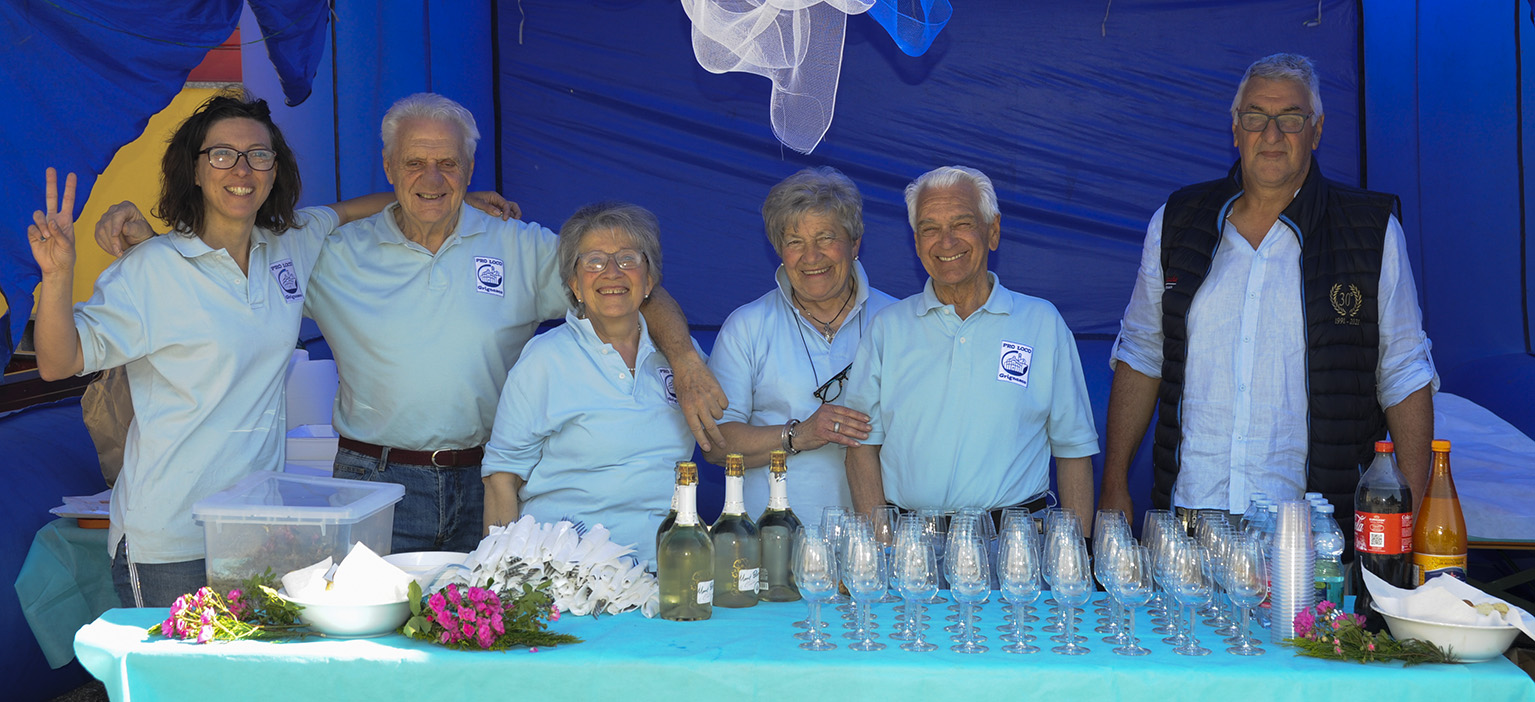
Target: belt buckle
[435, 464]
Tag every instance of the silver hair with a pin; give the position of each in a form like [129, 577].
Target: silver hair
[633, 221]
[823, 190]
[429, 106]
[949, 176]
[1282, 67]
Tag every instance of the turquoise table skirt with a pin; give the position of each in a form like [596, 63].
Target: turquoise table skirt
[65, 583]
[743, 654]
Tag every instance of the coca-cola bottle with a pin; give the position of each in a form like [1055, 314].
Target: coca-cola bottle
[1382, 530]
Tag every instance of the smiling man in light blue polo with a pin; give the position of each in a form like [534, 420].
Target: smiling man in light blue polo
[426, 305]
[970, 387]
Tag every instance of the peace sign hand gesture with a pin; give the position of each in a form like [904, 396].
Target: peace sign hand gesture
[52, 235]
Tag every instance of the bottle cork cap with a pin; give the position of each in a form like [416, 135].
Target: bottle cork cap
[778, 461]
[687, 473]
[735, 465]
[1441, 445]
[1384, 447]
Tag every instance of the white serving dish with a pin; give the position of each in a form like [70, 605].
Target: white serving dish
[432, 570]
[352, 621]
[1466, 642]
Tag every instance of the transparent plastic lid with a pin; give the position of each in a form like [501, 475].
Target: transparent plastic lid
[287, 498]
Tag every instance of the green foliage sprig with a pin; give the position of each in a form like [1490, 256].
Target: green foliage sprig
[1326, 632]
[252, 611]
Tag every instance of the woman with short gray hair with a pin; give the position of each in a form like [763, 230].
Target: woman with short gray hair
[784, 357]
[588, 426]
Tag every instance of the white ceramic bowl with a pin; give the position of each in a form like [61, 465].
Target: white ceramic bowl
[1468, 643]
[432, 570]
[350, 620]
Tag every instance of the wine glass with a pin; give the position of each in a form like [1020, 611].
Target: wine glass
[884, 519]
[1246, 576]
[916, 575]
[969, 577]
[833, 523]
[815, 572]
[935, 524]
[1018, 573]
[864, 573]
[1110, 537]
[1189, 583]
[1131, 584]
[1071, 579]
[853, 526]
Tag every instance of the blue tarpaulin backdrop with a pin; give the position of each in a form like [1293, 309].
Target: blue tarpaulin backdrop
[1085, 126]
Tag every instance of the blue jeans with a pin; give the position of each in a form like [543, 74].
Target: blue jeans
[159, 583]
[443, 508]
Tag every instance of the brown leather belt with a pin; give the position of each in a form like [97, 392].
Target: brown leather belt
[443, 458]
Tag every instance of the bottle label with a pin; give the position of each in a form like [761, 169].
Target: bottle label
[1385, 534]
[1427, 566]
[747, 582]
[705, 592]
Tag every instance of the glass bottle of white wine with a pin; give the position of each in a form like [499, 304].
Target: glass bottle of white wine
[777, 526]
[671, 517]
[685, 558]
[737, 547]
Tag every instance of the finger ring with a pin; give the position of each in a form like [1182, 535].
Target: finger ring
[836, 427]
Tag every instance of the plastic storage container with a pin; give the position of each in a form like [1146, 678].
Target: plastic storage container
[285, 522]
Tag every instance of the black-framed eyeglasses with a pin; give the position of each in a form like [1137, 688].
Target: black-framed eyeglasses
[597, 261]
[224, 158]
[832, 389]
[1289, 122]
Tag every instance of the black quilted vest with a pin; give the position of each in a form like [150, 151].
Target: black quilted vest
[1342, 234]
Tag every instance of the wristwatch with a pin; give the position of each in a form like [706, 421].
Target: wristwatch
[786, 439]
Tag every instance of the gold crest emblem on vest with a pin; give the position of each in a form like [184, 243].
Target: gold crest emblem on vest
[1346, 301]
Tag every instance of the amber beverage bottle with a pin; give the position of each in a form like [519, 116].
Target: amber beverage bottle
[1439, 532]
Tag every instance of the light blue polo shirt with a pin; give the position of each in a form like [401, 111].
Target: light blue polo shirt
[423, 342]
[770, 360]
[969, 412]
[206, 349]
[590, 441]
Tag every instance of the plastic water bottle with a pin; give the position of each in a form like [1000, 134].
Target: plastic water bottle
[1329, 554]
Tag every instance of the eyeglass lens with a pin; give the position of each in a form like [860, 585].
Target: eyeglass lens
[1289, 123]
[224, 158]
[597, 261]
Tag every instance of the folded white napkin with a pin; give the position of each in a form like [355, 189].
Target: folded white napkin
[362, 578]
[305, 582]
[1443, 599]
[587, 574]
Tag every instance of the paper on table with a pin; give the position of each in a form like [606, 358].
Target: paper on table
[307, 583]
[366, 578]
[1443, 600]
[90, 506]
[362, 578]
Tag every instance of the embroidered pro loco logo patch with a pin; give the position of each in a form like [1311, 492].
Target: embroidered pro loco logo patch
[489, 276]
[287, 280]
[1013, 363]
[667, 385]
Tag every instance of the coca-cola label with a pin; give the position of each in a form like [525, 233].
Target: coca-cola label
[1385, 534]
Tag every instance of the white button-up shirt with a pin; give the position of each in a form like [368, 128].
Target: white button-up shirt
[1244, 411]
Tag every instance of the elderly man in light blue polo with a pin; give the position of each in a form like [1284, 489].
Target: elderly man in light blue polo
[426, 305]
[970, 387]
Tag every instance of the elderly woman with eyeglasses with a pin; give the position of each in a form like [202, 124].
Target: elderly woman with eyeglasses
[588, 427]
[784, 358]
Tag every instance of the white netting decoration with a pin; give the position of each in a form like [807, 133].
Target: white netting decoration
[797, 44]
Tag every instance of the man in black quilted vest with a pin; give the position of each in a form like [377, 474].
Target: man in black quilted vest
[1274, 325]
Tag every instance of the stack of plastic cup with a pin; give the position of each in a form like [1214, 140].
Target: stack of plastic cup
[1292, 564]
